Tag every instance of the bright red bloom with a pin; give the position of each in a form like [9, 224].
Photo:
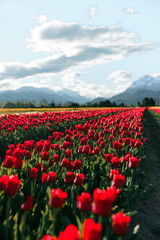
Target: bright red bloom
[57, 198]
[84, 140]
[68, 153]
[45, 155]
[111, 138]
[17, 152]
[138, 144]
[55, 146]
[27, 155]
[71, 232]
[44, 178]
[66, 163]
[17, 163]
[91, 230]
[120, 223]
[46, 145]
[115, 161]
[2, 180]
[117, 145]
[48, 237]
[126, 141]
[86, 149]
[80, 149]
[29, 145]
[84, 202]
[96, 150]
[134, 162]
[107, 157]
[28, 204]
[103, 200]
[118, 180]
[102, 144]
[69, 177]
[79, 179]
[11, 185]
[8, 162]
[56, 158]
[66, 144]
[113, 172]
[51, 176]
[77, 164]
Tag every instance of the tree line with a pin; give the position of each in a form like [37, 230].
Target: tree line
[106, 103]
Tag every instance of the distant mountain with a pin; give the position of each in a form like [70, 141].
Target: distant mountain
[97, 100]
[146, 86]
[36, 94]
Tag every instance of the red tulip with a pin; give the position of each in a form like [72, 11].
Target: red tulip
[79, 179]
[118, 180]
[51, 176]
[28, 204]
[33, 173]
[91, 230]
[134, 162]
[115, 161]
[48, 237]
[45, 155]
[11, 185]
[69, 177]
[77, 164]
[113, 172]
[84, 202]
[120, 224]
[103, 200]
[71, 232]
[57, 198]
[44, 178]
[107, 157]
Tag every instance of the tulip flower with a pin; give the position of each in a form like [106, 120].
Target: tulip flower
[28, 204]
[120, 224]
[11, 185]
[103, 200]
[57, 198]
[91, 230]
[84, 202]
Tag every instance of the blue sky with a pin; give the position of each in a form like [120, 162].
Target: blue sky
[97, 48]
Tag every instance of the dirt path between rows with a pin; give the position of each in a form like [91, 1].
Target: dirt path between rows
[148, 216]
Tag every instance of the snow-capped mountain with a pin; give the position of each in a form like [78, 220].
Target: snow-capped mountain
[146, 86]
[147, 82]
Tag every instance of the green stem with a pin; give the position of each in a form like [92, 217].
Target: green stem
[7, 217]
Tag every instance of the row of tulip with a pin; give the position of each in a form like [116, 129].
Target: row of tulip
[75, 185]
[15, 128]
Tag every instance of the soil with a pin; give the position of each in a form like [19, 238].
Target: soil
[148, 216]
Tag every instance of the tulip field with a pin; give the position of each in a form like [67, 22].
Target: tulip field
[70, 175]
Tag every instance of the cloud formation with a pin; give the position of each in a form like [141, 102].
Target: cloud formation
[120, 76]
[93, 12]
[130, 10]
[72, 81]
[73, 47]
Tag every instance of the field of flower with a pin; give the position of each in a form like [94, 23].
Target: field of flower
[71, 175]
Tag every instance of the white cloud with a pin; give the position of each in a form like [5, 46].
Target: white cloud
[154, 75]
[72, 81]
[93, 12]
[130, 10]
[120, 76]
[41, 18]
[73, 47]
